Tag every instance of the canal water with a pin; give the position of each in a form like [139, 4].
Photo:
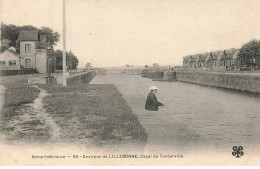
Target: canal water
[194, 116]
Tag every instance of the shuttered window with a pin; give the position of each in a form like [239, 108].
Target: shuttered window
[28, 62]
[28, 48]
[12, 62]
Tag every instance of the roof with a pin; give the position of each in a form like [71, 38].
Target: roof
[28, 35]
[43, 39]
[207, 54]
[191, 59]
[8, 55]
[234, 54]
[217, 55]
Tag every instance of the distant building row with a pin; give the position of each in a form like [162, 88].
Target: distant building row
[35, 53]
[226, 58]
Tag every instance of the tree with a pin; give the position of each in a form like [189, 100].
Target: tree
[72, 60]
[58, 54]
[250, 51]
[11, 32]
[52, 37]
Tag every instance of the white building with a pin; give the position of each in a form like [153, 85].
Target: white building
[9, 60]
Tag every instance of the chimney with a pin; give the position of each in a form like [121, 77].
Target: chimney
[43, 39]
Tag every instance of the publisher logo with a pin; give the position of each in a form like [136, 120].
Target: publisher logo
[237, 151]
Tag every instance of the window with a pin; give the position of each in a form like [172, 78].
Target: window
[28, 48]
[2, 63]
[12, 62]
[28, 62]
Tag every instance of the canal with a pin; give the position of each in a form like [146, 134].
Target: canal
[194, 116]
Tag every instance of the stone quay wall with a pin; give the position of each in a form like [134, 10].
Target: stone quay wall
[237, 81]
[160, 75]
[81, 78]
[153, 74]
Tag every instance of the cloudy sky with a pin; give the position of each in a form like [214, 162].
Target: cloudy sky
[139, 32]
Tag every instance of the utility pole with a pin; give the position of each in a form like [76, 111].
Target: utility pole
[64, 44]
[211, 61]
[1, 24]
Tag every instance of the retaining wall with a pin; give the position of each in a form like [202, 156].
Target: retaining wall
[16, 72]
[236, 81]
[100, 71]
[160, 75]
[81, 78]
[153, 74]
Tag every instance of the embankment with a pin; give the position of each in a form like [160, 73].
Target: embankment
[248, 82]
[236, 81]
[161, 75]
[17, 72]
[82, 78]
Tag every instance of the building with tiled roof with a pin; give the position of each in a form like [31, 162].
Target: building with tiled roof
[34, 51]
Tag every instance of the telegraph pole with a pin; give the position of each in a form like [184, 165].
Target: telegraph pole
[64, 44]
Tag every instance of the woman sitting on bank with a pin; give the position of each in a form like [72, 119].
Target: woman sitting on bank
[151, 102]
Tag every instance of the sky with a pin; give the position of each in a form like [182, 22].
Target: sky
[140, 32]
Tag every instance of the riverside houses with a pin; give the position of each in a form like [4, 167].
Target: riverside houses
[217, 59]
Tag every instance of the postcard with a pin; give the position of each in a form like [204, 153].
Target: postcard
[130, 83]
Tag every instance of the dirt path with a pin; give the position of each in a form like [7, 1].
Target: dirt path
[31, 123]
[41, 114]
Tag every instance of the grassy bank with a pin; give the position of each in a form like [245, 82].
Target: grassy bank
[95, 114]
[17, 94]
[89, 114]
[19, 121]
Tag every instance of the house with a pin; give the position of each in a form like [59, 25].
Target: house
[192, 61]
[203, 59]
[156, 65]
[35, 53]
[219, 59]
[216, 58]
[189, 61]
[186, 61]
[235, 58]
[207, 60]
[88, 66]
[9, 60]
[230, 57]
[200, 60]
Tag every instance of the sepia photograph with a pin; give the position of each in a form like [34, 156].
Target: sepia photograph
[130, 83]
